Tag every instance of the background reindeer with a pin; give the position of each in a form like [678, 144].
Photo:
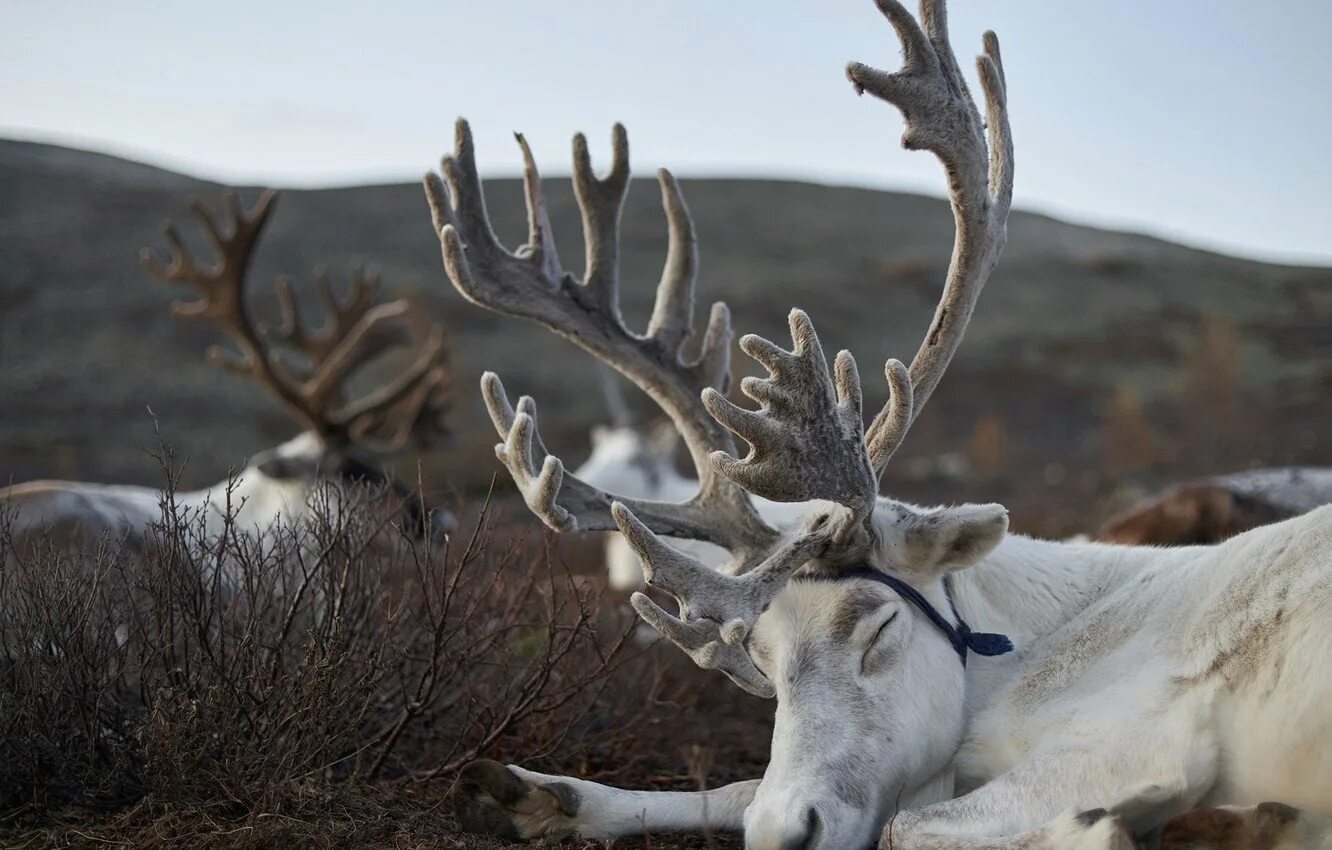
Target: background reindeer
[629, 460]
[307, 369]
[1145, 680]
[1209, 510]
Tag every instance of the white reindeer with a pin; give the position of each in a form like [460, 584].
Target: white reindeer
[1144, 681]
[306, 368]
[630, 460]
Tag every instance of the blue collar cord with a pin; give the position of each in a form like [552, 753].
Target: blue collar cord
[960, 636]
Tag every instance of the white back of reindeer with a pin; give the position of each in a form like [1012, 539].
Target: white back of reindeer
[631, 462]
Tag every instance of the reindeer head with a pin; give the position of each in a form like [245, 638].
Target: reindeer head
[832, 620]
[308, 369]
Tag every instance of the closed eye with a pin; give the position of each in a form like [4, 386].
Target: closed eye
[874, 641]
[886, 623]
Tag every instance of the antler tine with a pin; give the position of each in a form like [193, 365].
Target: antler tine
[941, 117]
[412, 405]
[890, 426]
[600, 200]
[714, 358]
[807, 438]
[717, 611]
[673, 313]
[530, 283]
[222, 293]
[341, 318]
[540, 235]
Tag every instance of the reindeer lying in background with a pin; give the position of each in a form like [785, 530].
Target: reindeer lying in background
[1144, 681]
[306, 369]
[1209, 510]
[628, 460]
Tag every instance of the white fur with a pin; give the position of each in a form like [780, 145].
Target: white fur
[257, 500]
[1145, 681]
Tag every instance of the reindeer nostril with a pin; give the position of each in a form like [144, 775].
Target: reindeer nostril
[813, 826]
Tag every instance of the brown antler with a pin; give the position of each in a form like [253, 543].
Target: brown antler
[803, 446]
[942, 118]
[340, 315]
[531, 283]
[355, 331]
[807, 439]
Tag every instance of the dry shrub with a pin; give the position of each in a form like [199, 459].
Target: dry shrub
[1221, 426]
[1127, 440]
[987, 447]
[244, 674]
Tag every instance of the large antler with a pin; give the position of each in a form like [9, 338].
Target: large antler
[531, 283]
[804, 447]
[355, 330]
[716, 610]
[942, 118]
[807, 439]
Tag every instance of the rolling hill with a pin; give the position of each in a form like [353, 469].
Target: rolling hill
[1074, 318]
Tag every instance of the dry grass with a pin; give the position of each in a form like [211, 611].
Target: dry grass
[316, 687]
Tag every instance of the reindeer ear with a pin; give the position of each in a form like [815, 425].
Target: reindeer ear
[952, 538]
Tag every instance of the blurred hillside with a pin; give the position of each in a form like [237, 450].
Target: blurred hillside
[1096, 359]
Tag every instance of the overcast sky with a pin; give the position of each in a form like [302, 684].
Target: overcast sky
[1206, 121]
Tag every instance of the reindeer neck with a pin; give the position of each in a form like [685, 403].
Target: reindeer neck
[1029, 588]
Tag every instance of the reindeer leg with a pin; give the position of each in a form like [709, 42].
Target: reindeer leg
[1071, 798]
[513, 803]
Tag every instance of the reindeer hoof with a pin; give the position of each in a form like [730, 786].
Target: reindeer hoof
[508, 802]
[1094, 829]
